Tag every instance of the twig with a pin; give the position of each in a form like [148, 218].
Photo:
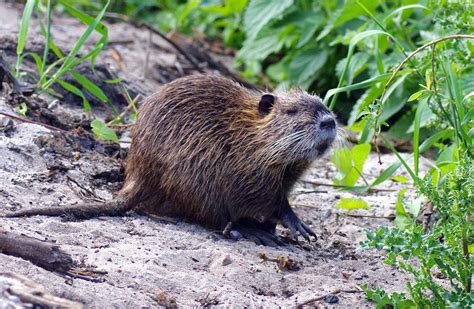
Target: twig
[92, 196]
[88, 275]
[127, 19]
[316, 183]
[310, 191]
[33, 122]
[390, 217]
[120, 126]
[147, 56]
[324, 296]
[130, 105]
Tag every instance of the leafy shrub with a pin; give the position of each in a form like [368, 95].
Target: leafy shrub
[445, 252]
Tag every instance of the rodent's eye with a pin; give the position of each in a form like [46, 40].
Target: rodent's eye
[292, 111]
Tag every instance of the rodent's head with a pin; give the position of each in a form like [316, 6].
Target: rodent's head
[298, 125]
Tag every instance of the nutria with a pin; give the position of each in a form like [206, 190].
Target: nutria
[206, 149]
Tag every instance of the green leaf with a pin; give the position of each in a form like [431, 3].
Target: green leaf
[102, 131]
[414, 207]
[386, 174]
[433, 139]
[38, 61]
[416, 134]
[352, 203]
[349, 163]
[73, 89]
[416, 95]
[399, 210]
[400, 179]
[25, 21]
[406, 7]
[90, 86]
[306, 64]
[22, 109]
[360, 154]
[261, 12]
[364, 84]
[259, 48]
[70, 60]
[357, 65]
[470, 248]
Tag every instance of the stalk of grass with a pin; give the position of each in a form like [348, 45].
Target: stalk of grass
[350, 52]
[413, 176]
[70, 60]
[397, 43]
[23, 33]
[416, 134]
[48, 34]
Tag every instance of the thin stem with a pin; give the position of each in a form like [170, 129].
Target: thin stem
[48, 35]
[397, 43]
[465, 250]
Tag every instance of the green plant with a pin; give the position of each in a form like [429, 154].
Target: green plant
[101, 130]
[22, 109]
[445, 252]
[50, 73]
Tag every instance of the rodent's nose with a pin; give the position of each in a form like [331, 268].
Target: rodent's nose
[327, 123]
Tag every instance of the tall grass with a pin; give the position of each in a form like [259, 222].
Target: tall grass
[51, 73]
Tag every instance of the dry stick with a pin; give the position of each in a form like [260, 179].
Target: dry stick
[399, 67]
[332, 293]
[130, 105]
[127, 19]
[46, 255]
[147, 56]
[391, 217]
[316, 183]
[33, 122]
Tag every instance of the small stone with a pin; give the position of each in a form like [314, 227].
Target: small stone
[226, 260]
[331, 299]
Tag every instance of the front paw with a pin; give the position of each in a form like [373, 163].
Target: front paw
[295, 225]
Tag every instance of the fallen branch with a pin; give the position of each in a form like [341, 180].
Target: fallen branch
[317, 183]
[43, 254]
[359, 290]
[33, 122]
[390, 217]
[30, 292]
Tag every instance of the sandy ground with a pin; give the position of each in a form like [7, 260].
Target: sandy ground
[150, 262]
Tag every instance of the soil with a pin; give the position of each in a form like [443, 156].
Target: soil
[152, 261]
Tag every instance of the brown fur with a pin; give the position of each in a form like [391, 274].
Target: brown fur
[201, 150]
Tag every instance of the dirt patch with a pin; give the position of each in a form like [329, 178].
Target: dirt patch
[150, 263]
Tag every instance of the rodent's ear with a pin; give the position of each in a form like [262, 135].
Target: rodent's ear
[266, 103]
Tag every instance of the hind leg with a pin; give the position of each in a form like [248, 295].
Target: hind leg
[260, 233]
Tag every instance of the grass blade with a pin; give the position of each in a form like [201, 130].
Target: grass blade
[364, 84]
[416, 134]
[25, 21]
[350, 52]
[70, 58]
[73, 89]
[90, 86]
[402, 161]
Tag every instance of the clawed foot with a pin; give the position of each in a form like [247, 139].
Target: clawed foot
[258, 235]
[294, 224]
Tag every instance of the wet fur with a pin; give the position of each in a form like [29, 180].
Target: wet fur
[202, 151]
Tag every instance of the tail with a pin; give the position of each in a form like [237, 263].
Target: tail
[115, 207]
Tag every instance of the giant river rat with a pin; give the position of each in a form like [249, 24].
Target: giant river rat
[207, 149]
